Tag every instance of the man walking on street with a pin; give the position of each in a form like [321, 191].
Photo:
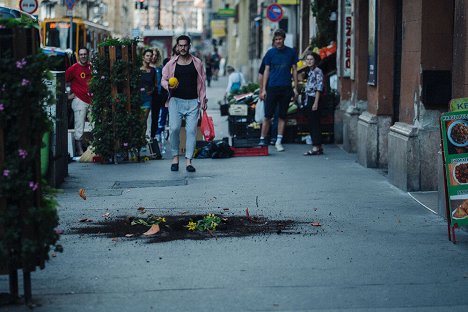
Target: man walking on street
[277, 91]
[79, 75]
[185, 99]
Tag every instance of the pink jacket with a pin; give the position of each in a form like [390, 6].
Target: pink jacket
[168, 72]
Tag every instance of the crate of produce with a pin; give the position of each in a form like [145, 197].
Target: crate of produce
[238, 110]
[250, 151]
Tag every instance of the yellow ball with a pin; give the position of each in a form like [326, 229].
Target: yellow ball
[300, 64]
[173, 82]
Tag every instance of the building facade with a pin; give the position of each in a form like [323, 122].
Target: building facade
[400, 63]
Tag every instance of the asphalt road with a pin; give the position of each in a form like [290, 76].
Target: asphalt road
[376, 249]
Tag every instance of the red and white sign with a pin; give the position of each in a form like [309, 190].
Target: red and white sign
[28, 6]
[274, 12]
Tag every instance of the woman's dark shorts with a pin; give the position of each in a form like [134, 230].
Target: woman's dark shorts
[278, 97]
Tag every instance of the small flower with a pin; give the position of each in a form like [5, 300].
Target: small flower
[125, 144]
[21, 64]
[161, 219]
[2, 107]
[142, 89]
[33, 186]
[192, 226]
[22, 153]
[6, 172]
[25, 82]
[103, 77]
[211, 215]
[3, 88]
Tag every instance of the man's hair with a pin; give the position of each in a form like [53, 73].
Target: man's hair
[83, 48]
[279, 33]
[184, 37]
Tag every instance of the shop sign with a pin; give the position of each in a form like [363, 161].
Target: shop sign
[218, 28]
[454, 129]
[226, 12]
[28, 6]
[288, 2]
[457, 105]
[348, 68]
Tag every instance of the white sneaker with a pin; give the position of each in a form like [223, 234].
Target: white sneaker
[279, 147]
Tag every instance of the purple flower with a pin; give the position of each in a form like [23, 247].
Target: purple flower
[6, 173]
[25, 82]
[33, 185]
[22, 153]
[103, 77]
[2, 107]
[142, 89]
[21, 64]
[125, 144]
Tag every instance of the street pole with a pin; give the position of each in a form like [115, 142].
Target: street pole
[159, 15]
[71, 30]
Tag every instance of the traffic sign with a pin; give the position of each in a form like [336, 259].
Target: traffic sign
[28, 6]
[274, 12]
[70, 4]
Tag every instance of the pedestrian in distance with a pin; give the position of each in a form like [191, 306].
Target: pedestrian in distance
[162, 97]
[208, 69]
[187, 94]
[277, 91]
[147, 84]
[313, 91]
[235, 81]
[79, 75]
[157, 101]
[216, 60]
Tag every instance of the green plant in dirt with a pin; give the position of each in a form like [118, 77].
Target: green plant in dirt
[118, 125]
[28, 209]
[326, 29]
[209, 223]
[149, 221]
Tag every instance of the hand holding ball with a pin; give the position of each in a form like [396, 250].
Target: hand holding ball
[173, 82]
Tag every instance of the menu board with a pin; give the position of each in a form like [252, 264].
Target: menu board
[454, 126]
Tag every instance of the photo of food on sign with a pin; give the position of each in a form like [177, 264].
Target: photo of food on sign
[460, 210]
[459, 172]
[457, 136]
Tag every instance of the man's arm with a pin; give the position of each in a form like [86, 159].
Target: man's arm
[294, 70]
[266, 74]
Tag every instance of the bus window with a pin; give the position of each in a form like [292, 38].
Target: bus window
[81, 36]
[57, 35]
[89, 41]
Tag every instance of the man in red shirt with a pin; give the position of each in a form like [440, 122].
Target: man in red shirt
[78, 75]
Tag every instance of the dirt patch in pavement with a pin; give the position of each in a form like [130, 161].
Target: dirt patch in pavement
[175, 228]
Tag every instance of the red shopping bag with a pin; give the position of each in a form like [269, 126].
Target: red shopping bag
[207, 127]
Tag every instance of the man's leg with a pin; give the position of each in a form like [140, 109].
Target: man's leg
[191, 121]
[175, 122]
[80, 110]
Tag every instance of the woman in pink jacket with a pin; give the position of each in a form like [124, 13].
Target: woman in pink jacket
[185, 99]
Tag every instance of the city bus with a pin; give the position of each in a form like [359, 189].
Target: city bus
[55, 32]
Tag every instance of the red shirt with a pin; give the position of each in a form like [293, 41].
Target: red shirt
[79, 76]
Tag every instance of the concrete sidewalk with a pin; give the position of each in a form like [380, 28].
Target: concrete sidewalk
[377, 249]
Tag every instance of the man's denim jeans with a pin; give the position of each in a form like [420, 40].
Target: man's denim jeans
[179, 108]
